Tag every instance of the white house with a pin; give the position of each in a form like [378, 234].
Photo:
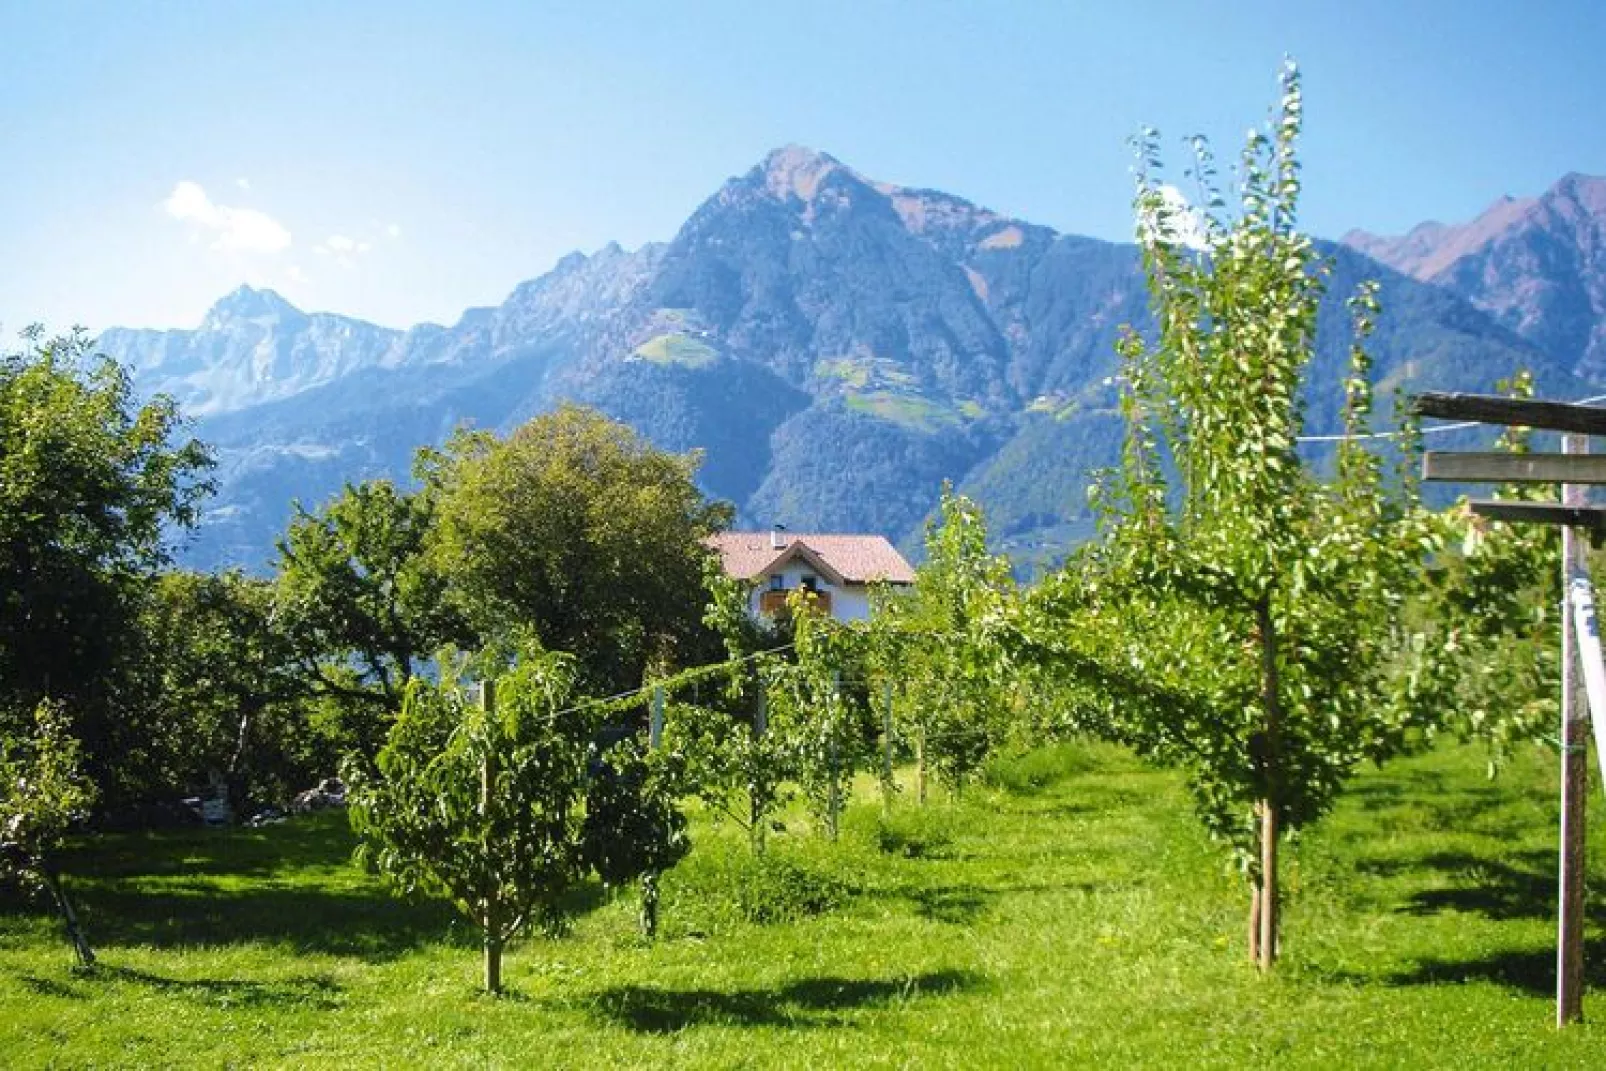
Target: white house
[838, 567]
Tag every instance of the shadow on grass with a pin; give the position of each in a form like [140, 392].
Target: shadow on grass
[314, 841]
[1431, 799]
[369, 923]
[806, 1003]
[306, 919]
[966, 903]
[291, 884]
[315, 992]
[50, 987]
[1514, 886]
[1532, 971]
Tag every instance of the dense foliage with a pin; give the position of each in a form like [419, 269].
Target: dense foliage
[938, 650]
[363, 605]
[482, 804]
[43, 794]
[1261, 603]
[574, 527]
[90, 483]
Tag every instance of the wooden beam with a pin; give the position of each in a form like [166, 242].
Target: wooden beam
[1543, 513]
[1574, 773]
[1522, 412]
[1495, 467]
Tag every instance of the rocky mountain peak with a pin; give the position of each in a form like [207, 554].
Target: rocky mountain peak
[1586, 192]
[796, 171]
[247, 303]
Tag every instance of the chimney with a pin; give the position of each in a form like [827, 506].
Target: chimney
[777, 541]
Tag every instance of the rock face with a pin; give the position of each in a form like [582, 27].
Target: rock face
[253, 347]
[838, 347]
[1537, 265]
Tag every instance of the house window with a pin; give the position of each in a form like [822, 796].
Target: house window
[809, 584]
[777, 583]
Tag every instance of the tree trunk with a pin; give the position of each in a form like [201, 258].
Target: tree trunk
[69, 917]
[755, 809]
[493, 962]
[492, 904]
[1271, 805]
[920, 767]
[833, 794]
[1268, 886]
[1254, 920]
[649, 904]
[235, 784]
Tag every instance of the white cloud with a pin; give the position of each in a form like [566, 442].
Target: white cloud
[344, 248]
[1184, 224]
[295, 274]
[244, 230]
[394, 230]
[243, 183]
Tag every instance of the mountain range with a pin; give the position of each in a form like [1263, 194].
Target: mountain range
[838, 347]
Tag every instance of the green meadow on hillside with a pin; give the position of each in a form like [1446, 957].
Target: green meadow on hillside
[1067, 912]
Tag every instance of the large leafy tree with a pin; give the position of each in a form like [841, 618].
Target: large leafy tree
[1257, 605]
[361, 601]
[228, 697]
[578, 529]
[91, 481]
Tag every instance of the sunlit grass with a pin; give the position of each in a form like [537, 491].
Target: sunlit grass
[1069, 912]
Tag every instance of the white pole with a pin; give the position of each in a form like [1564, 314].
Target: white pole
[1589, 654]
[655, 726]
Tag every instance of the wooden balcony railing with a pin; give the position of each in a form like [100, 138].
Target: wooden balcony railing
[772, 603]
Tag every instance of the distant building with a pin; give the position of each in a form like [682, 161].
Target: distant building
[838, 567]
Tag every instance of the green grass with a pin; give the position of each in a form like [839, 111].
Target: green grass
[1067, 912]
[677, 349]
[908, 410]
[880, 388]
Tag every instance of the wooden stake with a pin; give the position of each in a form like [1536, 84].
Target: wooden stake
[833, 801]
[655, 729]
[886, 743]
[920, 766]
[491, 915]
[1574, 775]
[755, 815]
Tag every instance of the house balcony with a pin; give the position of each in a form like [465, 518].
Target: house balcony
[773, 603]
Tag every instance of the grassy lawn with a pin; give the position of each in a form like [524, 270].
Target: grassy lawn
[1070, 913]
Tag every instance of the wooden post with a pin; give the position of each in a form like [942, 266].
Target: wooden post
[1267, 906]
[886, 744]
[833, 799]
[755, 817]
[490, 914]
[655, 728]
[69, 917]
[1574, 774]
[920, 766]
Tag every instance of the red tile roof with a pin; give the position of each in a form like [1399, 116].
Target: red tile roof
[859, 559]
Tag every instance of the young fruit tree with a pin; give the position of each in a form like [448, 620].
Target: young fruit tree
[1258, 602]
[1487, 625]
[735, 765]
[936, 651]
[633, 828]
[481, 803]
[816, 707]
[42, 794]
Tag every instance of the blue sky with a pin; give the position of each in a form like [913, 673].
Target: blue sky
[402, 161]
